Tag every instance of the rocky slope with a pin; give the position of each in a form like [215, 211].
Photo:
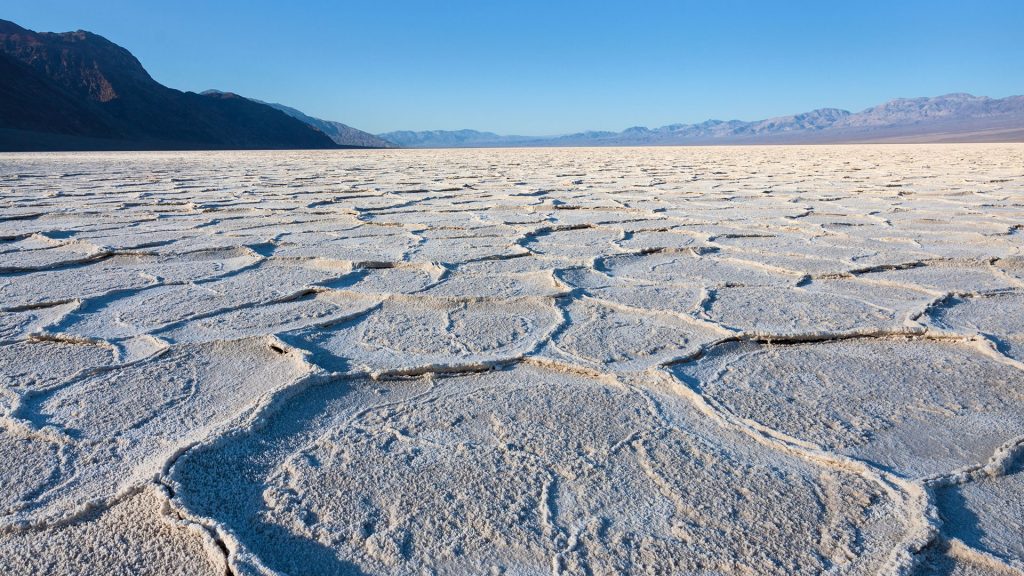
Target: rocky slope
[341, 134]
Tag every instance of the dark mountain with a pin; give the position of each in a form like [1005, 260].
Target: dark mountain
[77, 90]
[29, 102]
[949, 118]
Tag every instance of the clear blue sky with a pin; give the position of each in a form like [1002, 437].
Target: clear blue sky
[547, 67]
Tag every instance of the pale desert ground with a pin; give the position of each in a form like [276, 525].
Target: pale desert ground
[763, 360]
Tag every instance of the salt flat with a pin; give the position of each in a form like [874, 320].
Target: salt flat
[762, 360]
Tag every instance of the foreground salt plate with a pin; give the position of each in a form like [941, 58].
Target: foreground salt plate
[134, 536]
[89, 452]
[525, 470]
[692, 361]
[915, 406]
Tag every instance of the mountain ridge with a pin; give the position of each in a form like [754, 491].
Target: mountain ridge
[923, 119]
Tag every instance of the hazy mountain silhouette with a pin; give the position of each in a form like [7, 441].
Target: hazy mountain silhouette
[949, 118]
[342, 134]
[452, 139]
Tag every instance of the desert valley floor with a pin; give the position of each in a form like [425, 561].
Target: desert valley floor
[762, 360]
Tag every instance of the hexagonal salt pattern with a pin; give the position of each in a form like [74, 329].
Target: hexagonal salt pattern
[764, 360]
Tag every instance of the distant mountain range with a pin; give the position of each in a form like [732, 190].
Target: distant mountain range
[79, 91]
[949, 118]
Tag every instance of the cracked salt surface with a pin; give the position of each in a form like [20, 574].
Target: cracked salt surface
[772, 360]
[531, 470]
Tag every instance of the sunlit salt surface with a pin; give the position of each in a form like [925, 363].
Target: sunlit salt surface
[762, 360]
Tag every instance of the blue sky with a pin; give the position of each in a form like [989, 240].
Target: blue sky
[551, 67]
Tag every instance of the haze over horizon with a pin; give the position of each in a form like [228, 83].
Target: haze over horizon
[539, 70]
